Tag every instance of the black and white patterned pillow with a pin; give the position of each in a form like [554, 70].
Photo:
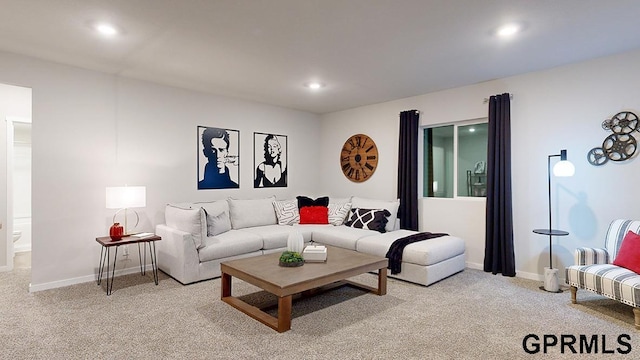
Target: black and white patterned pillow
[338, 213]
[371, 219]
[287, 212]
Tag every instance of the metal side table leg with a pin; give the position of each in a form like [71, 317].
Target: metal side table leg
[101, 266]
[113, 272]
[154, 260]
[142, 269]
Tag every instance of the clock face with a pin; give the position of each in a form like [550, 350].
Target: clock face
[359, 158]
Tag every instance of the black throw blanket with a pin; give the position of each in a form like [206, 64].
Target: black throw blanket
[395, 250]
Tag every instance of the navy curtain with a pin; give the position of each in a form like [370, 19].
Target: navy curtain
[408, 170]
[499, 256]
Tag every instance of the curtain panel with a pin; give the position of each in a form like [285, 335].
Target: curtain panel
[408, 169]
[499, 254]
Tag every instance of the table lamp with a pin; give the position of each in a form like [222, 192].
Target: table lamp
[125, 198]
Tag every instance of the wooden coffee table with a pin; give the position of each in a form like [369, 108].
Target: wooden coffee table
[284, 282]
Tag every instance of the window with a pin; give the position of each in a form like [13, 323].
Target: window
[455, 160]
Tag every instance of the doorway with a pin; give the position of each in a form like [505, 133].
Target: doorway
[15, 150]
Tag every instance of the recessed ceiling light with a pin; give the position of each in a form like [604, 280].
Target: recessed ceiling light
[314, 85]
[508, 30]
[472, 129]
[106, 29]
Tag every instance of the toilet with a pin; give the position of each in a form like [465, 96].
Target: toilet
[17, 234]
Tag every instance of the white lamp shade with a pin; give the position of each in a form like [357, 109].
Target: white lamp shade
[564, 168]
[123, 197]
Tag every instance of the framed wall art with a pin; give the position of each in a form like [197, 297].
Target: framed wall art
[218, 158]
[269, 160]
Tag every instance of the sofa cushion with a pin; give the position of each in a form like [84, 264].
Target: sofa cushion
[341, 236]
[337, 200]
[314, 215]
[370, 219]
[338, 213]
[192, 221]
[307, 201]
[287, 212]
[275, 236]
[391, 206]
[254, 212]
[231, 243]
[213, 207]
[307, 230]
[424, 253]
[629, 254]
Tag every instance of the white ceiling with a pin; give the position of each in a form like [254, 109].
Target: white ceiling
[365, 51]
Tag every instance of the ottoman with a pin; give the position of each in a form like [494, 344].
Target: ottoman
[423, 262]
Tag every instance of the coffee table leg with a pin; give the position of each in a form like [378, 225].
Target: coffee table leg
[382, 281]
[226, 285]
[284, 313]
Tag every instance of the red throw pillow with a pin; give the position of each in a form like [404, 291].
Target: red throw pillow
[314, 215]
[629, 254]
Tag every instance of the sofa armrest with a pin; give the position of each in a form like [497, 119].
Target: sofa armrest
[591, 256]
[177, 254]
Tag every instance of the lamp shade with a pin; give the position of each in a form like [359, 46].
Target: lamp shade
[123, 197]
[564, 168]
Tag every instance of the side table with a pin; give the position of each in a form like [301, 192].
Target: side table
[107, 243]
[551, 274]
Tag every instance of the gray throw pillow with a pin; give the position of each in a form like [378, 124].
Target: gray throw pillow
[218, 224]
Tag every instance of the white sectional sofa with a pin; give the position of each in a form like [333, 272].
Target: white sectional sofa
[197, 237]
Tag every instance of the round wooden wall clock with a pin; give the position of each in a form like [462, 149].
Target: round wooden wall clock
[359, 158]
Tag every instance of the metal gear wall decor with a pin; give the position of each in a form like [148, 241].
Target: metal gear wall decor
[619, 146]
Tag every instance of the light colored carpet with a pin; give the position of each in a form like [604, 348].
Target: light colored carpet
[471, 315]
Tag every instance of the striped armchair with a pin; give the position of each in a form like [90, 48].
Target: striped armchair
[594, 272]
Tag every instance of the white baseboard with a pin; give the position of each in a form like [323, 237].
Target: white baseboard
[520, 274]
[83, 279]
[4, 268]
[21, 248]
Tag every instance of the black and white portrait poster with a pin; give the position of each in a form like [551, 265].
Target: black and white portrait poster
[218, 158]
[270, 160]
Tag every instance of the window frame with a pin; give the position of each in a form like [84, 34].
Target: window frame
[421, 167]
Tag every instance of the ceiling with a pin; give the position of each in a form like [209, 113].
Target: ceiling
[364, 51]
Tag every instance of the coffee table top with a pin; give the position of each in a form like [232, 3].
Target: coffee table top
[264, 271]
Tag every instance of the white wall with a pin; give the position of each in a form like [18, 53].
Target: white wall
[91, 130]
[561, 108]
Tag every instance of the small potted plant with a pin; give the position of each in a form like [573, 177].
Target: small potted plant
[291, 259]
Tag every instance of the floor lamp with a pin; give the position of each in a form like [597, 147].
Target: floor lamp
[561, 169]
